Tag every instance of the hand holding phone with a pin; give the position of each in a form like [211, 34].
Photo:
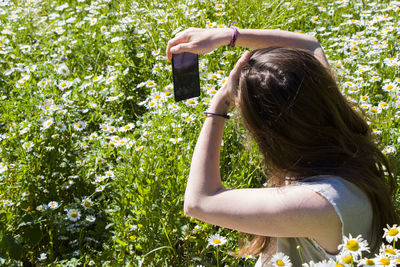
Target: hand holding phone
[185, 72]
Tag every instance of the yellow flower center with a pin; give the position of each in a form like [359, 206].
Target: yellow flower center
[78, 125]
[191, 102]
[127, 127]
[280, 263]
[167, 93]
[393, 232]
[385, 261]
[390, 87]
[347, 259]
[390, 251]
[217, 241]
[74, 214]
[352, 245]
[369, 262]
[86, 204]
[157, 97]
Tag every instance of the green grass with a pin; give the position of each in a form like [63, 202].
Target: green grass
[139, 213]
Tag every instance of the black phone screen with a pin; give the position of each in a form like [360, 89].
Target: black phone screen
[185, 72]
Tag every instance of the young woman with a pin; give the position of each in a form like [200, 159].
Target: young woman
[327, 176]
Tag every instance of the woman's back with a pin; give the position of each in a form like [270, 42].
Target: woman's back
[350, 203]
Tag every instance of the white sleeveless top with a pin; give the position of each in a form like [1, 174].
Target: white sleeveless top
[350, 203]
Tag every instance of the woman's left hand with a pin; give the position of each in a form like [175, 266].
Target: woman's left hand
[226, 97]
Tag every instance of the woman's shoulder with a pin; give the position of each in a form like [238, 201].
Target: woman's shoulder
[340, 192]
[349, 201]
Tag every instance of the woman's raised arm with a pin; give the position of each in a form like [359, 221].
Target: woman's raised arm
[202, 41]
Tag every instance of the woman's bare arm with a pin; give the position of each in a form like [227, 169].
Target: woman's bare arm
[203, 41]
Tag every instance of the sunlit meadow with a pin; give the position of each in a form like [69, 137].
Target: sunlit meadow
[95, 153]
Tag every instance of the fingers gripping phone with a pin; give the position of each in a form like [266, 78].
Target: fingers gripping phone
[185, 72]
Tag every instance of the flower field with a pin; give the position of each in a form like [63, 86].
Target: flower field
[95, 152]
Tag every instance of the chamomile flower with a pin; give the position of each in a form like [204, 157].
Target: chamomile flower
[368, 262]
[53, 205]
[391, 233]
[63, 69]
[216, 240]
[175, 140]
[61, 126]
[73, 215]
[79, 125]
[90, 219]
[353, 246]
[126, 128]
[389, 251]
[64, 85]
[280, 259]
[384, 260]
[47, 123]
[7, 203]
[41, 207]
[191, 102]
[86, 203]
[109, 174]
[27, 146]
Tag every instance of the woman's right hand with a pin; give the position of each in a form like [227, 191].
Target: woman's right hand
[198, 41]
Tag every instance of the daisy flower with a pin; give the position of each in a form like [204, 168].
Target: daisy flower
[216, 240]
[100, 188]
[384, 260]
[109, 174]
[64, 84]
[391, 233]
[175, 140]
[53, 205]
[86, 203]
[41, 207]
[61, 126]
[191, 102]
[280, 259]
[7, 203]
[73, 215]
[368, 262]
[355, 246]
[47, 123]
[80, 125]
[27, 146]
[63, 69]
[90, 219]
[389, 251]
[127, 127]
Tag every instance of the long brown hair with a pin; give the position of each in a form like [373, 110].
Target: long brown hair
[292, 107]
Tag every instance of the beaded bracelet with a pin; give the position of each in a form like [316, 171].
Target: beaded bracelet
[226, 116]
[234, 35]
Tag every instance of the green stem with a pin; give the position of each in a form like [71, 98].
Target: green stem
[217, 257]
[301, 258]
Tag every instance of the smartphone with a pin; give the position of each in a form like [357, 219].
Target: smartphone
[185, 72]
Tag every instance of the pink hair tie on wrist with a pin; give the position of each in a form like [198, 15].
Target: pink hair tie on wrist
[234, 35]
